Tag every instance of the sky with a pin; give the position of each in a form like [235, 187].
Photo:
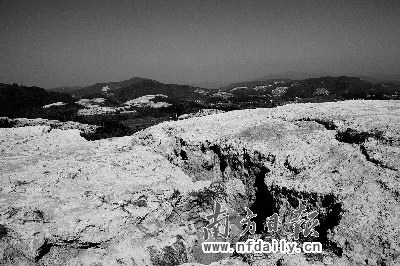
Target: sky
[51, 43]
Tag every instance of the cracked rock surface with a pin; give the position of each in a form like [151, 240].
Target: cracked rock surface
[341, 159]
[68, 201]
[142, 200]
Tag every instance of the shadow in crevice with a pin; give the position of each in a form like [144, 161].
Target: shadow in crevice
[264, 205]
[222, 162]
[329, 220]
[352, 136]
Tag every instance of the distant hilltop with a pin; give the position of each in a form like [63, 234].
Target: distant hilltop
[137, 103]
[321, 87]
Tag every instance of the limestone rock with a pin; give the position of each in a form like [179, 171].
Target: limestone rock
[142, 199]
[52, 124]
[340, 159]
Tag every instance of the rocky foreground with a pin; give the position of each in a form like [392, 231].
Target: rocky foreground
[142, 200]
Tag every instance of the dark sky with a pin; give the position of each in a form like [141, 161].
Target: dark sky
[55, 43]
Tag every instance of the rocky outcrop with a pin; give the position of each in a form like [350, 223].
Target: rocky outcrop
[200, 113]
[52, 124]
[65, 200]
[142, 200]
[341, 159]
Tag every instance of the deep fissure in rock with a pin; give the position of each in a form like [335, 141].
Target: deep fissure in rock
[352, 136]
[264, 205]
[3, 231]
[372, 160]
[183, 155]
[43, 250]
[328, 207]
[328, 221]
[329, 125]
[265, 200]
[222, 162]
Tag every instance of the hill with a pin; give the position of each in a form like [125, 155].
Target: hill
[251, 84]
[328, 88]
[152, 87]
[137, 87]
[141, 103]
[117, 111]
[19, 101]
[108, 87]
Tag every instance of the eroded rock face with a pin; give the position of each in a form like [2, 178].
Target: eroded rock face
[200, 113]
[67, 201]
[341, 159]
[142, 200]
[52, 124]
